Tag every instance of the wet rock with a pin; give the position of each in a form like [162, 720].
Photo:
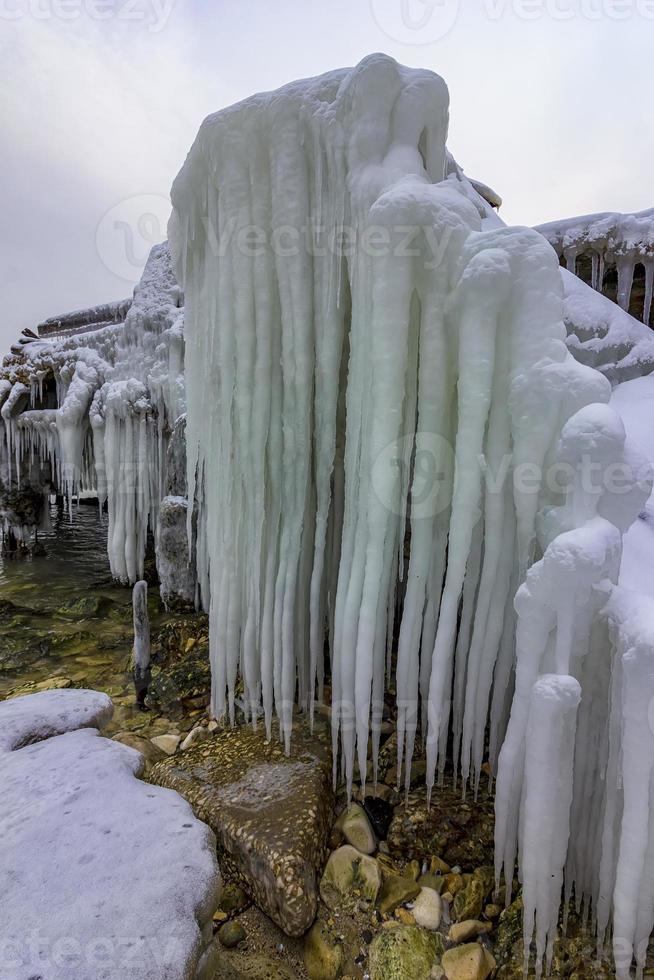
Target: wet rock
[231, 934]
[460, 833]
[181, 676]
[403, 953]
[348, 873]
[271, 814]
[34, 687]
[396, 890]
[426, 909]
[167, 743]
[469, 962]
[469, 902]
[150, 752]
[453, 883]
[380, 814]
[412, 870]
[461, 932]
[86, 607]
[233, 898]
[322, 955]
[219, 963]
[356, 829]
[430, 880]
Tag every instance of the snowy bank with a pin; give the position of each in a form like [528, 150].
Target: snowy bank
[104, 876]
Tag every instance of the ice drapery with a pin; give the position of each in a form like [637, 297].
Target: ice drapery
[340, 400]
[378, 386]
[95, 410]
[561, 768]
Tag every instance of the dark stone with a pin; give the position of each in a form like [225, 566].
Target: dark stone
[380, 815]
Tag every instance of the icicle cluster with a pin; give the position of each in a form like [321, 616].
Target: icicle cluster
[619, 240]
[93, 412]
[561, 767]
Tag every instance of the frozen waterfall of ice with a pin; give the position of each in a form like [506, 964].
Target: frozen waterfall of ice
[95, 410]
[378, 386]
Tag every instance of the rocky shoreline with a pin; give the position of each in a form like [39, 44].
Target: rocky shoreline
[385, 889]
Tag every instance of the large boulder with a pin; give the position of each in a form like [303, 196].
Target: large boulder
[271, 814]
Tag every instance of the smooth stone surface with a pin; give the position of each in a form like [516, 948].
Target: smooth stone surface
[197, 734]
[461, 932]
[469, 962]
[356, 829]
[469, 901]
[395, 891]
[145, 746]
[33, 717]
[271, 814]
[167, 743]
[426, 909]
[322, 955]
[403, 953]
[103, 875]
[231, 934]
[348, 870]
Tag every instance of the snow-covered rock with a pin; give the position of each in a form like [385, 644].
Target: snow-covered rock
[34, 717]
[103, 875]
[602, 335]
[594, 243]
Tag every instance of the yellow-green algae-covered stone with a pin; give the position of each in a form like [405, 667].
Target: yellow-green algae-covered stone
[271, 814]
[405, 953]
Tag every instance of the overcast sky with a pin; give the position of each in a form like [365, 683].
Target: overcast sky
[100, 101]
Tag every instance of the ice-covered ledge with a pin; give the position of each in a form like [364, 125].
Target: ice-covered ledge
[104, 876]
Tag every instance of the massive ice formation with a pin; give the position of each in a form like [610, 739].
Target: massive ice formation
[378, 390]
[94, 410]
[389, 449]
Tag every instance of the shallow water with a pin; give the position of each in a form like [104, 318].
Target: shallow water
[62, 616]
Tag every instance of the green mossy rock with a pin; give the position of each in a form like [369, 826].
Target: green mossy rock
[405, 953]
[322, 955]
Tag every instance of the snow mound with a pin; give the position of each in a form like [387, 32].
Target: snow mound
[104, 876]
[34, 717]
[602, 335]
